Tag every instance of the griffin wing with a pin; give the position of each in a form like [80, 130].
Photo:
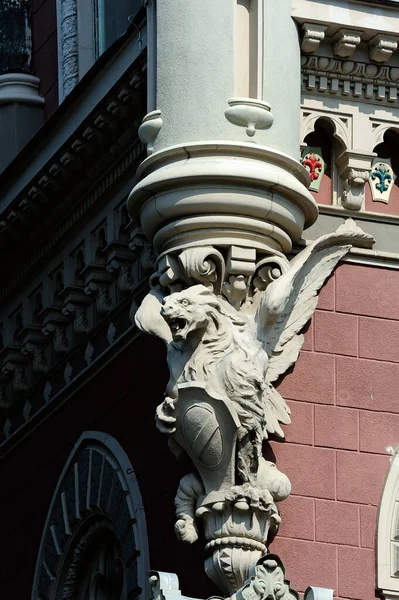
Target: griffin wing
[287, 305]
[148, 317]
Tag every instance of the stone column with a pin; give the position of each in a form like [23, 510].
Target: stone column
[21, 107]
[282, 76]
[212, 149]
[222, 197]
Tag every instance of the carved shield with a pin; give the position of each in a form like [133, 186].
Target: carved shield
[202, 434]
[206, 427]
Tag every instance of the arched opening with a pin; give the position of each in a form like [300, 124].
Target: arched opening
[388, 533]
[94, 543]
[100, 246]
[318, 157]
[18, 326]
[123, 234]
[37, 308]
[58, 287]
[79, 266]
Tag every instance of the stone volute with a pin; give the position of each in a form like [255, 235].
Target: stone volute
[222, 197]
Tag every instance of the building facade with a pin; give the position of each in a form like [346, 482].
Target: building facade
[225, 177]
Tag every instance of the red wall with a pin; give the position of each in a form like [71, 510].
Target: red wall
[343, 393]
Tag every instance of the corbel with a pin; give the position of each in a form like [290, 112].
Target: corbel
[75, 307]
[142, 250]
[33, 345]
[346, 41]
[54, 327]
[313, 35]
[13, 367]
[381, 47]
[97, 283]
[119, 264]
[354, 169]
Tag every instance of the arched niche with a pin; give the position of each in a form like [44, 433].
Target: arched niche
[382, 195]
[94, 543]
[338, 126]
[325, 138]
[388, 533]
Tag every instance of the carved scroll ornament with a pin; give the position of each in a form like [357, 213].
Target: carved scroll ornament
[220, 404]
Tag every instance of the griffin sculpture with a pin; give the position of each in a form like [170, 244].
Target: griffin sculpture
[221, 404]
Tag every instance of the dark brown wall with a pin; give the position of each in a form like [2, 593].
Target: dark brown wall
[120, 401]
[45, 61]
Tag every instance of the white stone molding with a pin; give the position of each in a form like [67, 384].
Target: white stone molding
[175, 223]
[345, 42]
[20, 88]
[312, 36]
[96, 503]
[379, 130]
[341, 123]
[318, 593]
[354, 170]
[370, 17]
[382, 46]
[388, 533]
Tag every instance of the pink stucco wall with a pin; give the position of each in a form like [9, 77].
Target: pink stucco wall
[343, 393]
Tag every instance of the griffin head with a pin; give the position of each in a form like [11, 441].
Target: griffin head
[189, 311]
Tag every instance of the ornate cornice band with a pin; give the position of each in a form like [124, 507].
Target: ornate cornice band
[350, 79]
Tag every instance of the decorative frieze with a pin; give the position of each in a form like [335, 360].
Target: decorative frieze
[73, 304]
[94, 158]
[351, 79]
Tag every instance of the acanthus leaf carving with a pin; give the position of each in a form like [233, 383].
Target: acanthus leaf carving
[267, 581]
